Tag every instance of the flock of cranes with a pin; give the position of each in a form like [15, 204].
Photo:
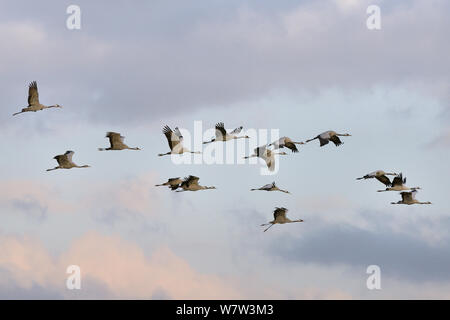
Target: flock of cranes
[397, 184]
[190, 183]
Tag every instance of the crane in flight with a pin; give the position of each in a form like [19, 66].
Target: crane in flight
[279, 216]
[172, 183]
[410, 198]
[398, 184]
[33, 101]
[270, 187]
[327, 136]
[223, 135]
[175, 140]
[116, 142]
[380, 175]
[65, 161]
[191, 184]
[285, 142]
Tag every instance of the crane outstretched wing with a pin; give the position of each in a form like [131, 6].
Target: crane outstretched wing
[398, 180]
[384, 180]
[335, 139]
[188, 181]
[172, 138]
[33, 95]
[178, 133]
[191, 180]
[63, 159]
[236, 131]
[279, 212]
[220, 130]
[69, 154]
[323, 142]
[114, 138]
[407, 196]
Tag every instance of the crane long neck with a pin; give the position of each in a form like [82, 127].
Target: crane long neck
[312, 139]
[164, 154]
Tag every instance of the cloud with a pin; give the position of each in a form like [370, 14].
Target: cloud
[115, 267]
[127, 198]
[10, 290]
[133, 66]
[442, 141]
[139, 73]
[22, 35]
[33, 199]
[400, 255]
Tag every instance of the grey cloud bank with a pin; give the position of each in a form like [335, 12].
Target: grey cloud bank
[142, 63]
[399, 255]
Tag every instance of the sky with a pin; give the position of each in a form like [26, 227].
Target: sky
[296, 67]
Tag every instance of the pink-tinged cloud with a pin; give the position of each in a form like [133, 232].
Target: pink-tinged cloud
[29, 195]
[127, 197]
[120, 266]
[27, 262]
